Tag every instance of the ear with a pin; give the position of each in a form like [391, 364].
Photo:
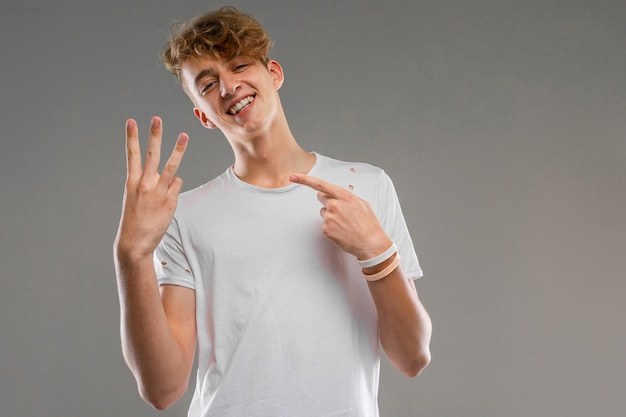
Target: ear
[203, 119]
[276, 72]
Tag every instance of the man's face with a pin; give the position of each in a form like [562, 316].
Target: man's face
[238, 96]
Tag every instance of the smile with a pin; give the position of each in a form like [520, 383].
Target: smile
[236, 108]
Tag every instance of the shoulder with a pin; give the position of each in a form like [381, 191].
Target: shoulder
[196, 199]
[362, 178]
[330, 167]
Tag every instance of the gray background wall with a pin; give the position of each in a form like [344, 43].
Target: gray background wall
[503, 124]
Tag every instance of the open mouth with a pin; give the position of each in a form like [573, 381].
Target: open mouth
[237, 107]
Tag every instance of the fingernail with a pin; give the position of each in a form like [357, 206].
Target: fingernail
[130, 123]
[155, 122]
[293, 178]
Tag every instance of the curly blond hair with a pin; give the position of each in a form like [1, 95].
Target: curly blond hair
[221, 34]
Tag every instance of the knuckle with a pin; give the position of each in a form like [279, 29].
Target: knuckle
[130, 182]
[129, 187]
[331, 205]
[144, 186]
[176, 183]
[169, 169]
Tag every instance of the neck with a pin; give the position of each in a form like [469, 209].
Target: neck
[267, 159]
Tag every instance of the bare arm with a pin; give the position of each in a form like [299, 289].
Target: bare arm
[405, 327]
[157, 325]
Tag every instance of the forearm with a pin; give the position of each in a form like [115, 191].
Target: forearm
[405, 326]
[156, 359]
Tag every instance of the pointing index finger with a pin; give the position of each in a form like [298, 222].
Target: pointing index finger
[317, 184]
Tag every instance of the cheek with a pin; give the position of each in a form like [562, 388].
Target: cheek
[205, 105]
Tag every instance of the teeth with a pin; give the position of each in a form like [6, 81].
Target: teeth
[243, 103]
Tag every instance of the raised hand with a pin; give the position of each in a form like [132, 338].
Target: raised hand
[150, 198]
[349, 221]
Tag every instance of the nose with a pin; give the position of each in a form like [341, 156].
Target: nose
[228, 85]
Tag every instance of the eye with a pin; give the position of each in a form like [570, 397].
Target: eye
[207, 87]
[241, 67]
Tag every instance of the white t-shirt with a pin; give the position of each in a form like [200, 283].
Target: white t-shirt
[286, 324]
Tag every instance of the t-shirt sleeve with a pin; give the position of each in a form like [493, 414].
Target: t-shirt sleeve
[392, 220]
[170, 262]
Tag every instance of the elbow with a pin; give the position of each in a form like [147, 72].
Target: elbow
[161, 398]
[159, 403]
[410, 359]
[159, 390]
[417, 365]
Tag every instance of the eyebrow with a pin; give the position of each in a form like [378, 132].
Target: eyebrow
[205, 72]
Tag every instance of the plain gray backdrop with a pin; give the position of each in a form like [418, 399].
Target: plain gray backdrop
[502, 123]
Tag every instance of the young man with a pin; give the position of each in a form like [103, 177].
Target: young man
[288, 270]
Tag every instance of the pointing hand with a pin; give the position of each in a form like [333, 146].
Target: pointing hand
[349, 221]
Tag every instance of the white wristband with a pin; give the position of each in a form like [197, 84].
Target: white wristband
[380, 258]
[388, 270]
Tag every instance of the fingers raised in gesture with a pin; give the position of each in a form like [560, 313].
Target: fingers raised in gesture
[150, 198]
